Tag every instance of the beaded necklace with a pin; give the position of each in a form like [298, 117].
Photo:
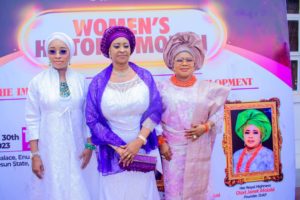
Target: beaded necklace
[180, 83]
[64, 89]
[248, 164]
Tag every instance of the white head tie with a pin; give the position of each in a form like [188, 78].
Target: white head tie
[64, 38]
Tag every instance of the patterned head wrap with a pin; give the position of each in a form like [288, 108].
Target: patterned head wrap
[184, 42]
[113, 33]
[64, 38]
[253, 117]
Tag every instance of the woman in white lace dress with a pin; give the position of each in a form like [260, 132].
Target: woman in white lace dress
[123, 107]
[59, 138]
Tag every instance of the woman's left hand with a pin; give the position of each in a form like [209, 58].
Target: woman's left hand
[195, 132]
[85, 156]
[130, 151]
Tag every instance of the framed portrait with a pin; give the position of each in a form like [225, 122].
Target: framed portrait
[252, 142]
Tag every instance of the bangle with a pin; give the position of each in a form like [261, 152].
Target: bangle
[143, 138]
[161, 140]
[206, 127]
[33, 154]
[90, 146]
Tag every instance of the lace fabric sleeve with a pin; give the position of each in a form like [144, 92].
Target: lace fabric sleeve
[218, 120]
[86, 128]
[148, 123]
[32, 112]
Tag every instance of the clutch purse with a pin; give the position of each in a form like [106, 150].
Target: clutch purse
[141, 163]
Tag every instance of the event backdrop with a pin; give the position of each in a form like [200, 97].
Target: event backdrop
[247, 49]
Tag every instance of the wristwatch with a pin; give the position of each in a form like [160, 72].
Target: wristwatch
[32, 154]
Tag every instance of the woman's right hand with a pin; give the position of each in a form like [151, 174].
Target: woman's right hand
[37, 166]
[165, 151]
[125, 160]
[120, 150]
[130, 151]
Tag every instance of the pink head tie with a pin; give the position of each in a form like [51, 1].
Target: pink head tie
[184, 42]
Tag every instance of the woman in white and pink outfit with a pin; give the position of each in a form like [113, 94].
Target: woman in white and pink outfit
[193, 114]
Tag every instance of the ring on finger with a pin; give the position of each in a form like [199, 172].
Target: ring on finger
[194, 136]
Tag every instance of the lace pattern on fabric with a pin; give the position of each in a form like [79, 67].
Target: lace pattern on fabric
[124, 86]
[148, 123]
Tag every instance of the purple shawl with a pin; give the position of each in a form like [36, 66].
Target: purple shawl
[102, 135]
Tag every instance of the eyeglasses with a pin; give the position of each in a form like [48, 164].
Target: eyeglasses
[54, 52]
[181, 60]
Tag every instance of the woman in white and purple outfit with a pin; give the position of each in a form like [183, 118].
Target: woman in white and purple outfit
[123, 107]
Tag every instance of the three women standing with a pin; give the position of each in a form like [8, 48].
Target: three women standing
[123, 107]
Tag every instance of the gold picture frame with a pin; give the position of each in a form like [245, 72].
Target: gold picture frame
[231, 140]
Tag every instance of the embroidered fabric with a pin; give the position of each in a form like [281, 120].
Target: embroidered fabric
[148, 123]
[58, 124]
[124, 86]
[216, 118]
[98, 124]
[197, 104]
[123, 105]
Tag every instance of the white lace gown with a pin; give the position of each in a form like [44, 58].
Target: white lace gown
[58, 124]
[123, 105]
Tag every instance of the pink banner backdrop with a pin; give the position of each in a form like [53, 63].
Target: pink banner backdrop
[247, 49]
